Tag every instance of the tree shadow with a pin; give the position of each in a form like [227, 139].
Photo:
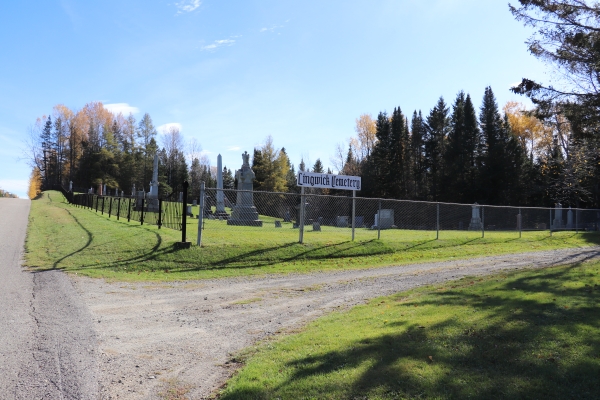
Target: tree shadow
[506, 356]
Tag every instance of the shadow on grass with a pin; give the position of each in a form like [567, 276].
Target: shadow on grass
[87, 244]
[522, 348]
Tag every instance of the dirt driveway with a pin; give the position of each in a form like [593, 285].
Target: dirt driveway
[180, 336]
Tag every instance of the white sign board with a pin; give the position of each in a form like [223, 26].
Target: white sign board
[328, 181]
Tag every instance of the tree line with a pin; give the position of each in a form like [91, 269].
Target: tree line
[93, 146]
[454, 154]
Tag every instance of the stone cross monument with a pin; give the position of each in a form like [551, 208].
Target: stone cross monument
[244, 212]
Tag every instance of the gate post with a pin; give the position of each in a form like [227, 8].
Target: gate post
[184, 244]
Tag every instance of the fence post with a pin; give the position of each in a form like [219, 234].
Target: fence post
[142, 211]
[550, 226]
[118, 208]
[184, 244]
[129, 211]
[200, 214]
[97, 201]
[103, 205]
[482, 222]
[301, 222]
[159, 213]
[379, 221]
[520, 223]
[110, 206]
[353, 212]
[437, 222]
[576, 215]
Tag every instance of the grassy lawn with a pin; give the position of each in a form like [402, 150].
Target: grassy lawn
[527, 335]
[82, 241]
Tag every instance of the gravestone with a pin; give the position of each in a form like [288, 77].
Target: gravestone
[570, 218]
[244, 213]
[139, 201]
[71, 186]
[557, 223]
[316, 227]
[475, 224]
[359, 222]
[277, 224]
[342, 221]
[189, 211]
[195, 203]
[287, 217]
[386, 218]
[133, 190]
[220, 209]
[152, 197]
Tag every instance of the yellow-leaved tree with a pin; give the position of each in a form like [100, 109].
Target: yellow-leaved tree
[35, 183]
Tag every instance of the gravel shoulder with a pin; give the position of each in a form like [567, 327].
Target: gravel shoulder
[181, 335]
[47, 342]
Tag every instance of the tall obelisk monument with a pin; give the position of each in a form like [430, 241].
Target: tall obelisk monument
[220, 200]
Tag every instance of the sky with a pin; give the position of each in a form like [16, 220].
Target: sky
[230, 73]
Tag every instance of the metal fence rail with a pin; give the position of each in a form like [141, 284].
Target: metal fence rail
[157, 212]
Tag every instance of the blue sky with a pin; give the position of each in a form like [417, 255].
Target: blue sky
[232, 72]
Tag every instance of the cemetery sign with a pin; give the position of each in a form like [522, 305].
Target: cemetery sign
[328, 181]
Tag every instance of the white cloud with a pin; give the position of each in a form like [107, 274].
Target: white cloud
[272, 29]
[186, 6]
[165, 127]
[233, 148]
[122, 108]
[219, 43]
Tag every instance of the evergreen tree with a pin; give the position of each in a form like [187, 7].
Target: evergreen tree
[378, 168]
[461, 152]
[318, 167]
[259, 168]
[437, 128]
[398, 156]
[417, 150]
[494, 171]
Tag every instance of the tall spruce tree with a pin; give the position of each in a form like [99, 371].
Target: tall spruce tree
[378, 166]
[494, 170]
[461, 152]
[438, 126]
[417, 149]
[396, 181]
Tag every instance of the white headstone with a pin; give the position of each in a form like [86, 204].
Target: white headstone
[570, 218]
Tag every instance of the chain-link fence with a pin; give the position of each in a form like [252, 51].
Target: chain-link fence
[232, 215]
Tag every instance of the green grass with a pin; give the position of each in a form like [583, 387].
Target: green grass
[528, 335]
[82, 241]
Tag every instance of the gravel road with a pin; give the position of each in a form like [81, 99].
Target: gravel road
[47, 343]
[181, 335]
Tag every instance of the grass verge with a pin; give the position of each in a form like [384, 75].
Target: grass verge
[82, 241]
[527, 335]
